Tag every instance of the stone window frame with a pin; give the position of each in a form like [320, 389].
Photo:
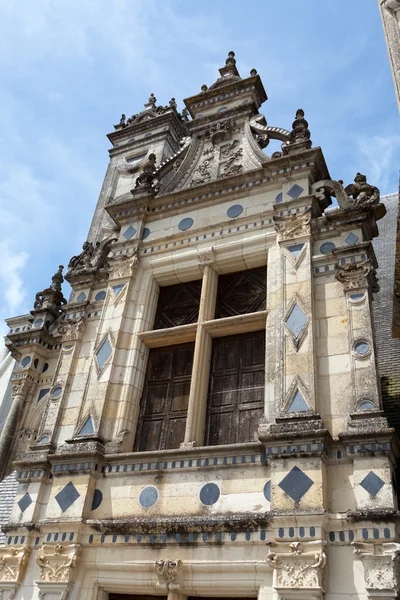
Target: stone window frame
[202, 333]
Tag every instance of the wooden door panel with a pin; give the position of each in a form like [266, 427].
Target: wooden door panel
[156, 397]
[240, 293]
[178, 305]
[165, 398]
[180, 396]
[176, 432]
[236, 393]
[150, 435]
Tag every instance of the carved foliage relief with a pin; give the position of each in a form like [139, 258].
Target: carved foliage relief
[13, 561]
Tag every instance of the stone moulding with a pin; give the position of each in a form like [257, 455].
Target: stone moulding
[195, 524]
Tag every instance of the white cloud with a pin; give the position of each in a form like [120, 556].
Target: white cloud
[12, 301]
[379, 157]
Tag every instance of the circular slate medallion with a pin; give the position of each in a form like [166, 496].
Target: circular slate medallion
[97, 499]
[234, 211]
[185, 224]
[37, 322]
[100, 295]
[145, 233]
[25, 361]
[57, 391]
[148, 497]
[267, 491]
[361, 348]
[327, 247]
[209, 494]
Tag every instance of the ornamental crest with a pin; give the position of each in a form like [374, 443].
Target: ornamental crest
[57, 562]
[12, 563]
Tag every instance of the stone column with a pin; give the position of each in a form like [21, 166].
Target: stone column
[197, 407]
[20, 390]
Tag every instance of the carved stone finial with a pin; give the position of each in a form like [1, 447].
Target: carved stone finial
[152, 100]
[122, 120]
[253, 72]
[231, 59]
[173, 103]
[204, 88]
[300, 132]
[51, 298]
[185, 115]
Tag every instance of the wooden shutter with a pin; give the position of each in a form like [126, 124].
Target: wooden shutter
[236, 391]
[178, 305]
[165, 398]
[240, 293]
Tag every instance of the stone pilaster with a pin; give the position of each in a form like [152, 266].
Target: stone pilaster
[381, 569]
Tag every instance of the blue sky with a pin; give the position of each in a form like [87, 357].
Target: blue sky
[69, 68]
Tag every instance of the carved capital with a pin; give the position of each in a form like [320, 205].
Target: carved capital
[22, 386]
[13, 561]
[293, 226]
[356, 276]
[300, 569]
[72, 329]
[57, 562]
[124, 268]
[206, 256]
[381, 570]
[168, 573]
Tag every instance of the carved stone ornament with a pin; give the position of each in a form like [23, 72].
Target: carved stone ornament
[93, 258]
[381, 571]
[146, 177]
[293, 226]
[297, 568]
[57, 562]
[125, 268]
[203, 170]
[356, 276]
[220, 132]
[13, 561]
[359, 194]
[71, 329]
[168, 573]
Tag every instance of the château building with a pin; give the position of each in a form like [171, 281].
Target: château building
[204, 417]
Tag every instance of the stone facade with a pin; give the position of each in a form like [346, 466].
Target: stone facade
[203, 417]
[390, 14]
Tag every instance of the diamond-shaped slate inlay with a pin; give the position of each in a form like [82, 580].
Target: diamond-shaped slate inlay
[87, 428]
[81, 297]
[295, 249]
[67, 496]
[351, 239]
[130, 232]
[295, 191]
[104, 353]
[296, 320]
[372, 484]
[296, 484]
[25, 501]
[298, 403]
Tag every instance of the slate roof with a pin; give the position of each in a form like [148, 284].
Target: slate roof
[8, 490]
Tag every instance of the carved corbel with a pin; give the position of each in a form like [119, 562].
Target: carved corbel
[293, 226]
[169, 573]
[299, 571]
[57, 569]
[357, 276]
[381, 569]
[22, 386]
